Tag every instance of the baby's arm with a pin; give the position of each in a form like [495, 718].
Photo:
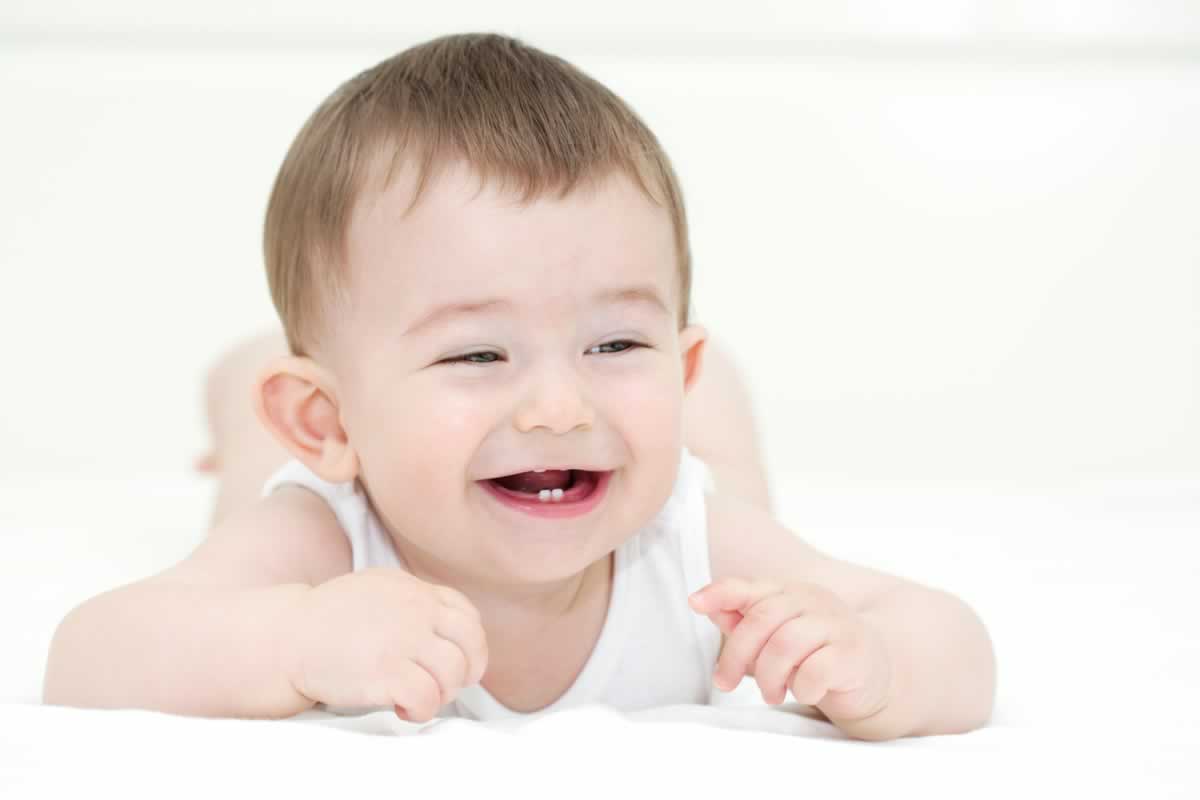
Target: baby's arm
[840, 636]
[203, 637]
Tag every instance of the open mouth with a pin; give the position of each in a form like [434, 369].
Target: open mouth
[549, 486]
[555, 493]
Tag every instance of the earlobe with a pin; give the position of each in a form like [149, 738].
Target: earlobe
[692, 343]
[295, 399]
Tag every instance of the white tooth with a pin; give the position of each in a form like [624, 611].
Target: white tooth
[556, 494]
[544, 495]
[539, 470]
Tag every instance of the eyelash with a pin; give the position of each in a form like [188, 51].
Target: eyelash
[630, 345]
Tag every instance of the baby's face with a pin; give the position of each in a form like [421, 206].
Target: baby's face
[482, 339]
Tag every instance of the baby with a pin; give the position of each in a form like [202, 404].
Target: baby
[480, 258]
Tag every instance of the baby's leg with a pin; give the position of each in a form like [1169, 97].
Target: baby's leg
[242, 454]
[718, 427]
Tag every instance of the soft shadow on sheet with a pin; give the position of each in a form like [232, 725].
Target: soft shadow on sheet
[790, 719]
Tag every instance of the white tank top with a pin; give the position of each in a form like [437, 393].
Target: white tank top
[653, 650]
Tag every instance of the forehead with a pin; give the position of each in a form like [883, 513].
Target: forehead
[465, 239]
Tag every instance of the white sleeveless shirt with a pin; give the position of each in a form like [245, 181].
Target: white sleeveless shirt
[653, 649]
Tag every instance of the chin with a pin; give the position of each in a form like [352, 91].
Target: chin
[545, 562]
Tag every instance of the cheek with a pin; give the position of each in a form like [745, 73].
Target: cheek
[445, 424]
[647, 407]
[411, 431]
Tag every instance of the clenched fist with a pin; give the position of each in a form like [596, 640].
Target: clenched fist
[382, 637]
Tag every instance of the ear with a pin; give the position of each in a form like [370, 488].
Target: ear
[692, 341]
[296, 400]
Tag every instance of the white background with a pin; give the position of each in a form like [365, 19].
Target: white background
[946, 241]
[954, 247]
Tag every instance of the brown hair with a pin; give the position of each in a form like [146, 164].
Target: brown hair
[509, 110]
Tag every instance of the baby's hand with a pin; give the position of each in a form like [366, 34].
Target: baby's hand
[382, 637]
[803, 637]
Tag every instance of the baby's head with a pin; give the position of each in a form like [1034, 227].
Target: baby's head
[480, 258]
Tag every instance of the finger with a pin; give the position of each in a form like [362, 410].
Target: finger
[747, 639]
[444, 660]
[726, 621]
[793, 642]
[815, 675]
[467, 634]
[730, 594]
[416, 695]
[456, 599]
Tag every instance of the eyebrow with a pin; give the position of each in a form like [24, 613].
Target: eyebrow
[644, 294]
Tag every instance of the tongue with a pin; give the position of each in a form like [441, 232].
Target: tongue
[534, 482]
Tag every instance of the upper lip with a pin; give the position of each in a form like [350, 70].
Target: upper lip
[541, 468]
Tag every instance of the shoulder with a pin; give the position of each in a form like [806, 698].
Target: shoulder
[746, 541]
[289, 536]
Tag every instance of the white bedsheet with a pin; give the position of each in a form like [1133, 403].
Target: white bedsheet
[1090, 595]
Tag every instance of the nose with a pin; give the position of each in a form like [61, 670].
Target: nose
[555, 400]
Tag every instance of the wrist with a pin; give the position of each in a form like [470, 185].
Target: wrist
[888, 722]
[290, 631]
[892, 715]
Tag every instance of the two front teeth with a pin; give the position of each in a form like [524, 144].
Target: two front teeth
[549, 495]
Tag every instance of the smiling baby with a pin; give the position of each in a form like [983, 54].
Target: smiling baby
[480, 258]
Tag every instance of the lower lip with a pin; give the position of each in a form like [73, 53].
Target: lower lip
[551, 509]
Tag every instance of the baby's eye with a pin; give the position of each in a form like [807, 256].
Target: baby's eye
[490, 357]
[487, 355]
[624, 344]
